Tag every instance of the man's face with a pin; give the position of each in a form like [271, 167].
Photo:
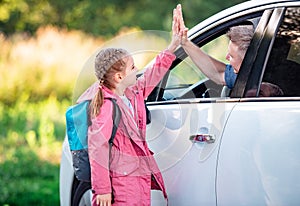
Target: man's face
[234, 57]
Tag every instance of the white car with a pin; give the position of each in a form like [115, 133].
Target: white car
[216, 149]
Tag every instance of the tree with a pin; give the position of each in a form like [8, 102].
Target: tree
[102, 17]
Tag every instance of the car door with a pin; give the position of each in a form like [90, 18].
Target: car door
[259, 158]
[188, 118]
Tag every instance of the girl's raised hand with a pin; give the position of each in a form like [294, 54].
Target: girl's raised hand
[176, 31]
[182, 29]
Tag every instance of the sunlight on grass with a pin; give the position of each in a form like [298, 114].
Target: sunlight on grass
[45, 64]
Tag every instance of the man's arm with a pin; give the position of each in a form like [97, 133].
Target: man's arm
[212, 68]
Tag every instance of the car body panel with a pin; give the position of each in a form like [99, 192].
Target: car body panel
[259, 155]
[66, 174]
[189, 168]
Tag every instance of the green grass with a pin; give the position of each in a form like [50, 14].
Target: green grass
[27, 180]
[31, 142]
[31, 135]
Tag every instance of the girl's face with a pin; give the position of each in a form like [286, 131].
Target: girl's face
[130, 72]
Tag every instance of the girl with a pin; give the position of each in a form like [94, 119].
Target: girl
[125, 173]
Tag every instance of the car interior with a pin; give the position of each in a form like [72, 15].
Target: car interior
[283, 67]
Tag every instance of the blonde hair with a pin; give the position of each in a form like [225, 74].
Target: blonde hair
[241, 36]
[107, 63]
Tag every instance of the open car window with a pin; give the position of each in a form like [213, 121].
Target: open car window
[187, 81]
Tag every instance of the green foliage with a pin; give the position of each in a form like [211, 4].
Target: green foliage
[26, 180]
[37, 125]
[35, 90]
[31, 137]
[198, 10]
[100, 17]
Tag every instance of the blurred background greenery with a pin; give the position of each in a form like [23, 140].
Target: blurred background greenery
[43, 47]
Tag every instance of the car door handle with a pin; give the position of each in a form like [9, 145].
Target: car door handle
[208, 138]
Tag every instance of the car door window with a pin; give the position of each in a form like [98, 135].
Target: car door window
[186, 75]
[186, 81]
[282, 73]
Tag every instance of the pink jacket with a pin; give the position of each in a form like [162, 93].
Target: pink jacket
[131, 171]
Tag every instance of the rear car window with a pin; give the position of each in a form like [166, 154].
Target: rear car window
[283, 66]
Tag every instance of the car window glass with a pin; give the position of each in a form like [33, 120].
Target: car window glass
[186, 74]
[283, 66]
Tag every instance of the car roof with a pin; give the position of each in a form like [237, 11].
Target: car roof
[247, 7]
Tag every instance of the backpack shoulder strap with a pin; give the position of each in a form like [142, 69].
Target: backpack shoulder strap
[116, 119]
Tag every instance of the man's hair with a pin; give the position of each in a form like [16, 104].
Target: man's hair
[241, 36]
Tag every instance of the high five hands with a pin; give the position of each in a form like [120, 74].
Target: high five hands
[179, 31]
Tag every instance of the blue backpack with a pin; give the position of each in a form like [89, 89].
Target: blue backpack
[77, 122]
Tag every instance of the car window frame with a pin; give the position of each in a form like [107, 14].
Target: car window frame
[256, 77]
[205, 34]
[250, 55]
[284, 70]
[263, 51]
[200, 40]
